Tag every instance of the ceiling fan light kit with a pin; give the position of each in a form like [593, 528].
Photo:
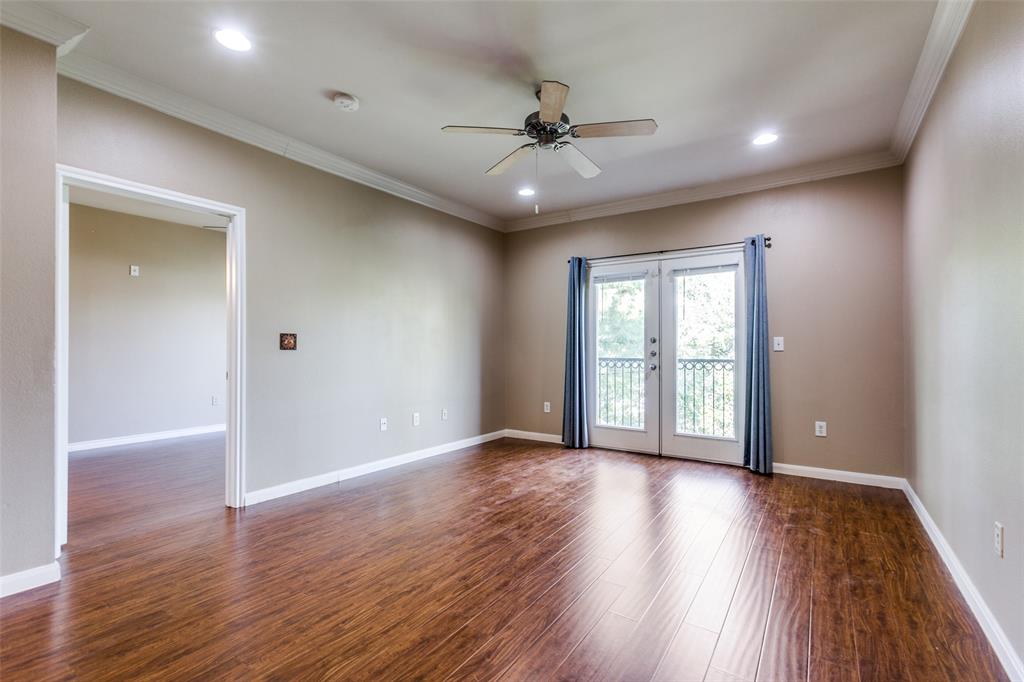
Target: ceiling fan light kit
[549, 124]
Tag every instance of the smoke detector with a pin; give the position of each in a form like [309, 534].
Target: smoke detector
[345, 101]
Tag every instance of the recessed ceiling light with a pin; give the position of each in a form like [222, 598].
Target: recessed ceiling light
[526, 192]
[765, 138]
[233, 40]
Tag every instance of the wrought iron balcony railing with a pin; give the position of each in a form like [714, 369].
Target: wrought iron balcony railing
[704, 394]
[705, 389]
[620, 392]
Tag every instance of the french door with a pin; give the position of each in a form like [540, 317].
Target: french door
[666, 355]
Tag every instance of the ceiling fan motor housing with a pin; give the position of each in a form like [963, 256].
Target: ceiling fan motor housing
[545, 133]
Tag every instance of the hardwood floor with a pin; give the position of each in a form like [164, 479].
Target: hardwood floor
[511, 560]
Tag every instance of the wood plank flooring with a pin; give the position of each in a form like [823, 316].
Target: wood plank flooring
[512, 560]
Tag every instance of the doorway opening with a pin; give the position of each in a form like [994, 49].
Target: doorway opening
[212, 223]
[666, 355]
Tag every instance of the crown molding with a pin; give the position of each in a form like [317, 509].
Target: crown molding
[947, 24]
[123, 84]
[42, 24]
[715, 190]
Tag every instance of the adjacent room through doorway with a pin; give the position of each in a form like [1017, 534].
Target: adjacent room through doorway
[147, 364]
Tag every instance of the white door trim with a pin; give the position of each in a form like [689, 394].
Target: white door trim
[647, 438]
[68, 176]
[654, 269]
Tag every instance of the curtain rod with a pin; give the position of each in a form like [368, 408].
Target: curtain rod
[767, 245]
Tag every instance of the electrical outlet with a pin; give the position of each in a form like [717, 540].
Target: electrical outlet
[415, 418]
[821, 429]
[778, 344]
[997, 540]
[383, 423]
[133, 270]
[547, 407]
[444, 414]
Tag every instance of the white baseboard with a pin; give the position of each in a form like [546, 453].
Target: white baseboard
[29, 579]
[1010, 659]
[143, 437]
[533, 435]
[875, 480]
[265, 494]
[290, 488]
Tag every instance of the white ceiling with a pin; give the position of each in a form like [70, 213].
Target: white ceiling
[147, 209]
[830, 77]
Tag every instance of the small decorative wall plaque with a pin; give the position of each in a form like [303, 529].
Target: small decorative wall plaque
[289, 341]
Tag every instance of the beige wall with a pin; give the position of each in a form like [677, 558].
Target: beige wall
[834, 293]
[397, 307]
[28, 111]
[146, 353]
[965, 307]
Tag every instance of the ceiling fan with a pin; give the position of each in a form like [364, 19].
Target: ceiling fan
[550, 124]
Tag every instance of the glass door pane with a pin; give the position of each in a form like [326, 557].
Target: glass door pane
[702, 316]
[705, 359]
[619, 308]
[623, 357]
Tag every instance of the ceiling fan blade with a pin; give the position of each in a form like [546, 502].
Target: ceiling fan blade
[578, 160]
[552, 101]
[643, 126]
[483, 130]
[506, 163]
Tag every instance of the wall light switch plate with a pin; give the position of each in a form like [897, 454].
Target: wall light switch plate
[821, 429]
[415, 418]
[133, 270]
[214, 400]
[444, 414]
[383, 423]
[547, 407]
[778, 343]
[998, 539]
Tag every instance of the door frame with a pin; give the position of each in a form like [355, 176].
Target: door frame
[657, 257]
[69, 176]
[648, 438]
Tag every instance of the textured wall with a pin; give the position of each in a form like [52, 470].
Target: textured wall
[965, 307]
[397, 307]
[28, 111]
[834, 294]
[146, 353]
